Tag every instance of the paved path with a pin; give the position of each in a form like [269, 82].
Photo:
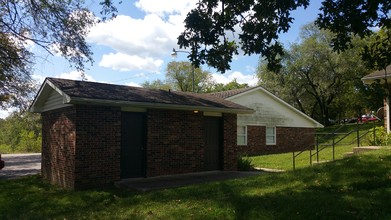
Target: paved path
[18, 165]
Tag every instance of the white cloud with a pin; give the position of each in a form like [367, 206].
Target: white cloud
[38, 78]
[125, 62]
[251, 80]
[76, 75]
[166, 6]
[133, 84]
[4, 113]
[150, 36]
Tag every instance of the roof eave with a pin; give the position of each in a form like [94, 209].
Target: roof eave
[119, 103]
[372, 79]
[45, 88]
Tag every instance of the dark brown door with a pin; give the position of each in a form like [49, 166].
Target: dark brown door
[132, 145]
[212, 137]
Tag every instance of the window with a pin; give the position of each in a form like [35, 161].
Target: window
[270, 135]
[242, 135]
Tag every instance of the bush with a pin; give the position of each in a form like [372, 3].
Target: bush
[381, 137]
[5, 149]
[245, 163]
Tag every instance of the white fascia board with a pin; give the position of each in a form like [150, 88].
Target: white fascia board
[43, 93]
[65, 98]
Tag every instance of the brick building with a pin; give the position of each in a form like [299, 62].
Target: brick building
[274, 127]
[95, 134]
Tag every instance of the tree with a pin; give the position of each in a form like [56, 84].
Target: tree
[179, 75]
[54, 25]
[219, 87]
[377, 52]
[347, 19]
[157, 84]
[210, 28]
[15, 82]
[316, 79]
[20, 132]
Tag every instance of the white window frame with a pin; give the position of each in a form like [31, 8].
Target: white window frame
[241, 135]
[274, 136]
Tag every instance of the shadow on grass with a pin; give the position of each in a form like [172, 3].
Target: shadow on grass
[354, 188]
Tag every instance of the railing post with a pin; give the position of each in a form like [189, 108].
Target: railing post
[333, 147]
[294, 164]
[311, 157]
[374, 132]
[317, 153]
[358, 134]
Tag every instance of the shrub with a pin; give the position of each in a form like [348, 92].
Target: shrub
[381, 137]
[245, 163]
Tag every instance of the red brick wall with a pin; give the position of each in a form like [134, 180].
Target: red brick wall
[175, 142]
[58, 146]
[230, 155]
[288, 140]
[97, 157]
[82, 144]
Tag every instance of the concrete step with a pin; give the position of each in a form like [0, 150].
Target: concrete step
[348, 154]
[320, 161]
[357, 150]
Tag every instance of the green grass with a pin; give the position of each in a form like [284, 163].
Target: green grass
[285, 161]
[358, 187]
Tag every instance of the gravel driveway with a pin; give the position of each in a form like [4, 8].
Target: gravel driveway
[18, 165]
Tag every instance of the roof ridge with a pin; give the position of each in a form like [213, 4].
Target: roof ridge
[232, 92]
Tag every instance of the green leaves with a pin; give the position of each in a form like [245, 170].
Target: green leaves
[319, 81]
[210, 30]
[349, 18]
[218, 29]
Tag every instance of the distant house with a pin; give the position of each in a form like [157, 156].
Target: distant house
[95, 134]
[274, 127]
[384, 78]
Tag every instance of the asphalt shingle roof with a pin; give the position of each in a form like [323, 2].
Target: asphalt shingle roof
[111, 92]
[230, 93]
[379, 74]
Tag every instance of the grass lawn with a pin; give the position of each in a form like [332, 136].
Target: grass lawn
[358, 187]
[285, 161]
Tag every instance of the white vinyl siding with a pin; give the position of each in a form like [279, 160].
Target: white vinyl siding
[270, 135]
[242, 135]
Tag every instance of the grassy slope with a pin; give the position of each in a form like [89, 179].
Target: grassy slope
[285, 161]
[353, 188]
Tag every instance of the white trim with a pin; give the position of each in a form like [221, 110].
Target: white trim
[274, 136]
[245, 135]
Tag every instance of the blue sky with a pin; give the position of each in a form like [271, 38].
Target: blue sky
[136, 46]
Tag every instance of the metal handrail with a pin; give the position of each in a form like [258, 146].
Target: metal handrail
[333, 144]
